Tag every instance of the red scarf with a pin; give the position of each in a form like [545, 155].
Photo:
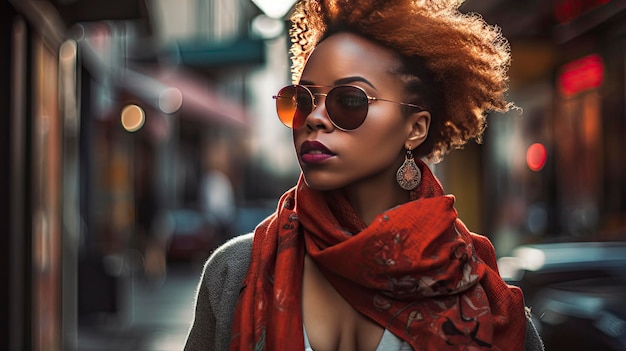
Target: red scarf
[416, 270]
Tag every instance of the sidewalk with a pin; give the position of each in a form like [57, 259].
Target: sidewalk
[157, 319]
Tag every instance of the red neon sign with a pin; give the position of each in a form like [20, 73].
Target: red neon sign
[567, 10]
[583, 74]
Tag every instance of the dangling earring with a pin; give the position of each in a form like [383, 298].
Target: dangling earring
[409, 175]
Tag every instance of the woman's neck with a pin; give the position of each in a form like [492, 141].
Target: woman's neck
[371, 197]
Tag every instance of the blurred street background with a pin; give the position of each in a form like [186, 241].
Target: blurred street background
[138, 135]
[157, 315]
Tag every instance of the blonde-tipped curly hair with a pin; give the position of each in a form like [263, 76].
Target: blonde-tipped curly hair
[455, 64]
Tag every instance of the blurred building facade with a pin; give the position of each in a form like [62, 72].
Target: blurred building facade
[553, 170]
[115, 110]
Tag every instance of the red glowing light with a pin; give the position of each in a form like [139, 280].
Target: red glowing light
[580, 75]
[568, 10]
[536, 157]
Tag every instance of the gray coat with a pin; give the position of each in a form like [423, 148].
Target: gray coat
[218, 292]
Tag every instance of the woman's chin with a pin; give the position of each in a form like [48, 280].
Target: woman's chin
[321, 184]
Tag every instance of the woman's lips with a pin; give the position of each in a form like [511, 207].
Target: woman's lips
[314, 152]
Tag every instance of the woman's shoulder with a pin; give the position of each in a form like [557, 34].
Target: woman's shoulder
[216, 297]
[229, 262]
[238, 246]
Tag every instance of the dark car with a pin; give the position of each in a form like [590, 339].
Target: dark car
[576, 290]
[192, 237]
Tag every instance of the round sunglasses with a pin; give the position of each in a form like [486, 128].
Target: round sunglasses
[346, 105]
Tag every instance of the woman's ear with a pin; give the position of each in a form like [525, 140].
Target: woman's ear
[418, 124]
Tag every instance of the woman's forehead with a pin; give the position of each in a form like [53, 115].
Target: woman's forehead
[349, 55]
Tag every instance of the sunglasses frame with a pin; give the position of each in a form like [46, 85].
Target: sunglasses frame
[314, 95]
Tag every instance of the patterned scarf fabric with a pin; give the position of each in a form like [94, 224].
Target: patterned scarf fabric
[415, 270]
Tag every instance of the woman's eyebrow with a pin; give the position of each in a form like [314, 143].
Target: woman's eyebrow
[343, 81]
[353, 79]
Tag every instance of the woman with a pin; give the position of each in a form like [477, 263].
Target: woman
[366, 252]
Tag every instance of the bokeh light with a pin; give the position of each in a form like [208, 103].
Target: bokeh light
[536, 157]
[133, 118]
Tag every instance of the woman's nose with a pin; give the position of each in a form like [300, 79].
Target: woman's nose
[318, 118]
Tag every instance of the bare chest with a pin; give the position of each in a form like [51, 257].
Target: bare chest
[331, 323]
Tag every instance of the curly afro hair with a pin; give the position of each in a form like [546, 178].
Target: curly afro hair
[454, 64]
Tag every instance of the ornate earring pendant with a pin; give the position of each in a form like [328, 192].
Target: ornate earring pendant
[409, 175]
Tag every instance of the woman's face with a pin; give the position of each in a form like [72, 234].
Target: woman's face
[331, 158]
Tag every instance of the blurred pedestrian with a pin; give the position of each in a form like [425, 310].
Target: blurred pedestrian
[366, 252]
[218, 203]
[217, 196]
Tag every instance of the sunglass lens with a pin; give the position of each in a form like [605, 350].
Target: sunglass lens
[293, 104]
[347, 106]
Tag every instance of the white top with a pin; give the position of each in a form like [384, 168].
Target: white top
[389, 342]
